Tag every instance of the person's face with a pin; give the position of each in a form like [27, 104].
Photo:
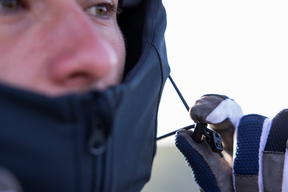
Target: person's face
[57, 47]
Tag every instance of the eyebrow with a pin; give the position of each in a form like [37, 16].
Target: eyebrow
[100, 1]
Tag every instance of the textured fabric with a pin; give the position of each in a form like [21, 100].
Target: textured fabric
[246, 166]
[212, 164]
[256, 134]
[246, 183]
[278, 134]
[201, 171]
[273, 165]
[255, 168]
[248, 141]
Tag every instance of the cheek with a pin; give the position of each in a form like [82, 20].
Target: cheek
[8, 54]
[119, 47]
[19, 58]
[116, 73]
[121, 52]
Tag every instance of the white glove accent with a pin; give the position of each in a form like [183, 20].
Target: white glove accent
[228, 108]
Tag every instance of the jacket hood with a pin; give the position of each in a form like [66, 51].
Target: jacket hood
[100, 141]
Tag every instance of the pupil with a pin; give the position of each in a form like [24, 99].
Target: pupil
[101, 11]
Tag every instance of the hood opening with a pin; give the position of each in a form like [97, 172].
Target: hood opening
[131, 22]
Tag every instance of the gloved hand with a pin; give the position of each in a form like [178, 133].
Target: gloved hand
[261, 155]
[259, 151]
[221, 113]
[211, 171]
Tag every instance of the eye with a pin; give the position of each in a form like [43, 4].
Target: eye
[11, 5]
[98, 10]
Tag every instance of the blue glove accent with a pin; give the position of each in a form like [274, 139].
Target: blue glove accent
[248, 141]
[278, 135]
[202, 173]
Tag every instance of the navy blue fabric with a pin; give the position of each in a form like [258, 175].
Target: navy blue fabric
[248, 141]
[278, 134]
[202, 173]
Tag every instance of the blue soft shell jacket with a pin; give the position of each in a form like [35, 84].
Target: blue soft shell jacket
[100, 141]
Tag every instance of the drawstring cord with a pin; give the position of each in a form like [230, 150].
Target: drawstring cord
[186, 106]
[212, 138]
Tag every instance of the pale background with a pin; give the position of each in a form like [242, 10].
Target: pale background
[235, 48]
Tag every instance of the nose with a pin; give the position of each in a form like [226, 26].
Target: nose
[81, 53]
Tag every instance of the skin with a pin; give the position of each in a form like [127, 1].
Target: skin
[57, 47]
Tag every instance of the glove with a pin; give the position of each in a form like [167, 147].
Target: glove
[222, 114]
[260, 148]
[261, 157]
[211, 171]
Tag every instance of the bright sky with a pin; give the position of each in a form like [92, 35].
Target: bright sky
[235, 48]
